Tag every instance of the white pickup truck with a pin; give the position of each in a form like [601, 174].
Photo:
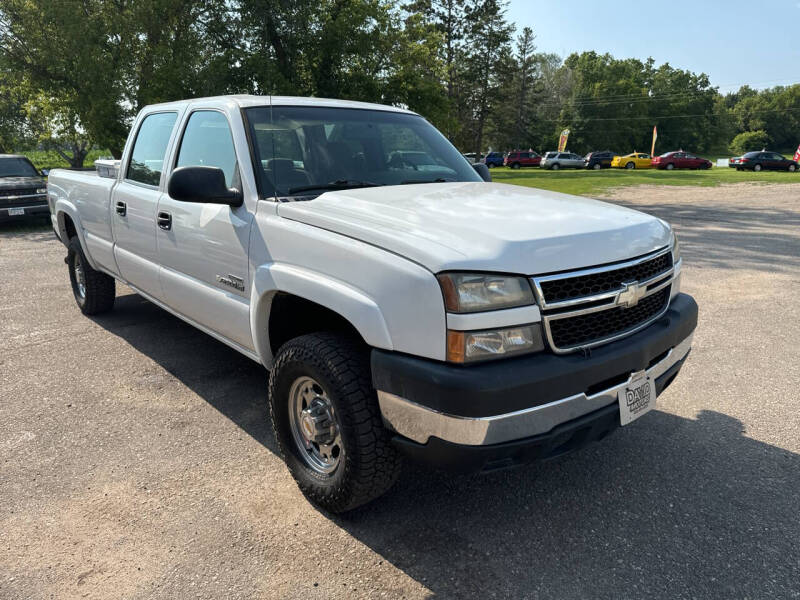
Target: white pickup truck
[403, 304]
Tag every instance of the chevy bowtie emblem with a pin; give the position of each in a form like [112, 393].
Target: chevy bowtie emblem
[631, 294]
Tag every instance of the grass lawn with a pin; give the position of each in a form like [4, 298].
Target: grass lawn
[589, 183]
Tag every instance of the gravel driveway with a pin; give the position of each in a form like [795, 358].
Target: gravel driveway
[136, 459]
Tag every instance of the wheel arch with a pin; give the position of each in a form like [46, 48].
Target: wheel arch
[288, 301]
[69, 226]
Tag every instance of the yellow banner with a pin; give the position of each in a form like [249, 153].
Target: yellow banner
[562, 140]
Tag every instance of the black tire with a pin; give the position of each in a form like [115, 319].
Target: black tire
[670, 166]
[630, 165]
[515, 165]
[367, 465]
[597, 166]
[757, 168]
[98, 292]
[555, 167]
[792, 168]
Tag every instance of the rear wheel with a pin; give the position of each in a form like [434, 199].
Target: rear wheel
[94, 291]
[792, 168]
[630, 165]
[327, 422]
[756, 168]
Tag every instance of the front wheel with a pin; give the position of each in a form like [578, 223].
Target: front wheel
[555, 167]
[327, 422]
[515, 166]
[670, 166]
[94, 291]
[630, 165]
[597, 166]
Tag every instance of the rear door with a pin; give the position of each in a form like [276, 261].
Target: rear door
[204, 250]
[135, 199]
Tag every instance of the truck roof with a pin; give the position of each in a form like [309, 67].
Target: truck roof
[246, 100]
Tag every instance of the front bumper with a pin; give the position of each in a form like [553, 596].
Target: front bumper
[430, 403]
[28, 211]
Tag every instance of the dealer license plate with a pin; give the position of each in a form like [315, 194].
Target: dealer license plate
[15, 212]
[636, 398]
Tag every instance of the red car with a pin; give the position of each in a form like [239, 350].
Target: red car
[518, 159]
[680, 160]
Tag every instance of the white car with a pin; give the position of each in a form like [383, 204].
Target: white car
[401, 311]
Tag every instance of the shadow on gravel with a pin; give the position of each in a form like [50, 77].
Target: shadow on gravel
[230, 382]
[671, 507]
[733, 237]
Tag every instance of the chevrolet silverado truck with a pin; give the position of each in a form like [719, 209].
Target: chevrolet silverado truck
[402, 310]
[23, 192]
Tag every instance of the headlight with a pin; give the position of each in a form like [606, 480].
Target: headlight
[468, 346]
[676, 249]
[473, 292]
[41, 191]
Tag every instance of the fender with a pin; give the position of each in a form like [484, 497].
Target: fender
[65, 207]
[352, 304]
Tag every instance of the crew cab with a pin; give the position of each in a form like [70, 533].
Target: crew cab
[401, 312]
[23, 192]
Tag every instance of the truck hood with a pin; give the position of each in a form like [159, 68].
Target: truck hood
[485, 226]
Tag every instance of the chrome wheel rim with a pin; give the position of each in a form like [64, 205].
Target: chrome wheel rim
[80, 277]
[315, 430]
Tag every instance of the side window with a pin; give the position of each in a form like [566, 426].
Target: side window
[147, 157]
[207, 142]
[525, 155]
[563, 155]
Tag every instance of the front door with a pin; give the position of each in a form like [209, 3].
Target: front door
[135, 200]
[203, 248]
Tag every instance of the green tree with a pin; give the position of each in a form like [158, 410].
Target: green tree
[749, 141]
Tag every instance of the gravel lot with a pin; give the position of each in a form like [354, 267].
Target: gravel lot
[137, 462]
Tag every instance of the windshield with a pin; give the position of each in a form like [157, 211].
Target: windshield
[17, 167]
[302, 151]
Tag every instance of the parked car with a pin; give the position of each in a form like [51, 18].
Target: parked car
[517, 159]
[561, 160]
[763, 161]
[679, 159]
[634, 160]
[382, 300]
[472, 157]
[599, 159]
[494, 159]
[23, 191]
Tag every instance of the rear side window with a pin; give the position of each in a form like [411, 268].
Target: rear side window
[207, 142]
[147, 157]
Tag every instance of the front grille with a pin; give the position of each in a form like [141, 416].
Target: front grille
[570, 288]
[587, 329]
[16, 201]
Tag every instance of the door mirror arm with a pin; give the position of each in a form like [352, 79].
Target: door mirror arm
[204, 185]
[482, 170]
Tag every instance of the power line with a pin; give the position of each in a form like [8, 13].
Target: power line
[662, 117]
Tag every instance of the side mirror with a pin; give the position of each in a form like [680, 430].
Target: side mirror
[45, 172]
[202, 185]
[482, 170]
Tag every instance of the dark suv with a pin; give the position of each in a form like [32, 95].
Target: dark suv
[493, 159]
[599, 159]
[23, 191]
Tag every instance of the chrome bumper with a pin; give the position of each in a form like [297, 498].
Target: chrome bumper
[419, 423]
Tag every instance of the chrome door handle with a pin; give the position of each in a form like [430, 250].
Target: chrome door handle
[164, 220]
[122, 208]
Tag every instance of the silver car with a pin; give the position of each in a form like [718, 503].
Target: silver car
[561, 160]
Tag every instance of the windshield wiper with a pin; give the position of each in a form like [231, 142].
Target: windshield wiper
[411, 181]
[339, 184]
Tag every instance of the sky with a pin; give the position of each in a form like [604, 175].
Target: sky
[734, 42]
